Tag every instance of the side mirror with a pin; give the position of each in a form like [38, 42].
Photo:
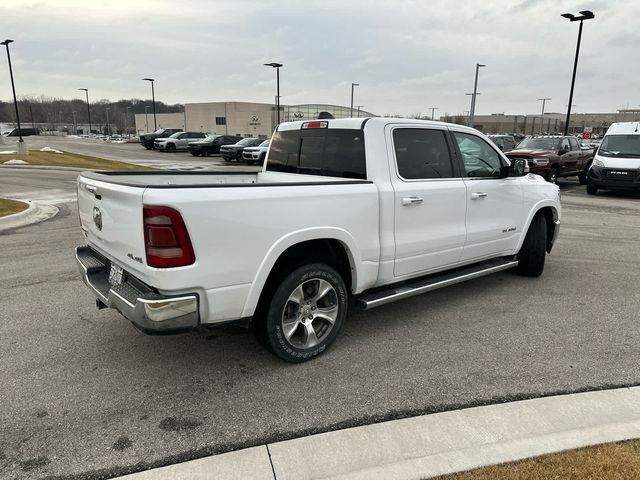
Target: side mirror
[519, 167]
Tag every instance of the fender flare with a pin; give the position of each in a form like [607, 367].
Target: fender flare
[534, 210]
[289, 240]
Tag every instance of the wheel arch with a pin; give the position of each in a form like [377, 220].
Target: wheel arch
[335, 247]
[551, 216]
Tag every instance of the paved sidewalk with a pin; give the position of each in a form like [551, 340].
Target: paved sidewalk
[421, 447]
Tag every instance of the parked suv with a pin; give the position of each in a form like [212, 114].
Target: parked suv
[177, 141]
[148, 138]
[504, 142]
[211, 144]
[24, 131]
[616, 164]
[230, 152]
[256, 154]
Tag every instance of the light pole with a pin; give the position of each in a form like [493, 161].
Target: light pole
[86, 90]
[358, 111]
[585, 15]
[544, 101]
[184, 112]
[473, 98]
[127, 123]
[108, 125]
[153, 99]
[352, 86]
[146, 118]
[75, 125]
[433, 109]
[277, 67]
[22, 148]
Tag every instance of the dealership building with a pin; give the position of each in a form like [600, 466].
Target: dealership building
[238, 118]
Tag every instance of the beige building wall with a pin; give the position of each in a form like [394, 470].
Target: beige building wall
[240, 118]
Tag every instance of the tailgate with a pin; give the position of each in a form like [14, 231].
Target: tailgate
[111, 219]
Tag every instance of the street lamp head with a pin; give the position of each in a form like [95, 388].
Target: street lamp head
[584, 15]
[84, 89]
[6, 42]
[273, 64]
[149, 79]
[569, 16]
[480, 65]
[587, 14]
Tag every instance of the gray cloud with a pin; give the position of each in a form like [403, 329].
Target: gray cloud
[407, 55]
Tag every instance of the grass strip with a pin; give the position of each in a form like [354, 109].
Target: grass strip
[609, 461]
[68, 159]
[9, 207]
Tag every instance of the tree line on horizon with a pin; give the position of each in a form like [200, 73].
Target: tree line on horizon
[54, 114]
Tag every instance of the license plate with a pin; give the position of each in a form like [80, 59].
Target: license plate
[116, 275]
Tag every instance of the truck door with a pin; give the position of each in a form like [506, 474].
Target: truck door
[494, 205]
[429, 197]
[577, 156]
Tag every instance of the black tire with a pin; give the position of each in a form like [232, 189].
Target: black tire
[591, 189]
[306, 283]
[227, 159]
[148, 147]
[239, 156]
[582, 177]
[206, 152]
[532, 254]
[552, 175]
[195, 154]
[170, 147]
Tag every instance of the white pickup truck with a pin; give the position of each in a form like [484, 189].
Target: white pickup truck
[375, 209]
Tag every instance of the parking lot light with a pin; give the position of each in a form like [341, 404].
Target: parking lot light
[474, 94]
[277, 67]
[352, 86]
[153, 100]
[584, 15]
[22, 148]
[86, 90]
[544, 101]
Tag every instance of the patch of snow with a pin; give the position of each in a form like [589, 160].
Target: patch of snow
[10, 152]
[16, 162]
[74, 136]
[49, 149]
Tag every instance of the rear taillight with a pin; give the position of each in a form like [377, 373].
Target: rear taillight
[166, 240]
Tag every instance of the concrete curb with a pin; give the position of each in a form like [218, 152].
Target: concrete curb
[36, 213]
[430, 445]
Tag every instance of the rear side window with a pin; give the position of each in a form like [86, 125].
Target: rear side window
[422, 153]
[327, 152]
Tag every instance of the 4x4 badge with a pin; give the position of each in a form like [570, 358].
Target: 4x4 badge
[97, 217]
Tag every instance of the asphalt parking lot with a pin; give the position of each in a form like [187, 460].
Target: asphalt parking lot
[84, 395]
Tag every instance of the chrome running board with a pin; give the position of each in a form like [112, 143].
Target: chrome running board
[433, 282]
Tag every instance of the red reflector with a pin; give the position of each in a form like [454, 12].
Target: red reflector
[306, 125]
[166, 240]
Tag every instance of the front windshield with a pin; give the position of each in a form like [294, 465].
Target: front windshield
[620, 146]
[245, 141]
[210, 138]
[265, 143]
[538, 144]
[176, 135]
[159, 131]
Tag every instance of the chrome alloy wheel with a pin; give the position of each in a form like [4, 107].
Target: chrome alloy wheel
[309, 313]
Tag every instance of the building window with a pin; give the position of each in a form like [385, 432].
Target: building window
[221, 120]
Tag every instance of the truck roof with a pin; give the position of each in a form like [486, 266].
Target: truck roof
[621, 128]
[358, 123]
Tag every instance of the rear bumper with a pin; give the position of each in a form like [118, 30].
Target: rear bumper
[149, 311]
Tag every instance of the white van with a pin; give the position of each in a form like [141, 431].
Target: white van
[616, 165]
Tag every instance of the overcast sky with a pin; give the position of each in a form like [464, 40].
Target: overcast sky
[407, 55]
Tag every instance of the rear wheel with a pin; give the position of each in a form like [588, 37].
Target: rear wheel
[305, 313]
[552, 176]
[171, 147]
[532, 254]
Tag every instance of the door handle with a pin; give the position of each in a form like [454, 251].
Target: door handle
[477, 195]
[411, 200]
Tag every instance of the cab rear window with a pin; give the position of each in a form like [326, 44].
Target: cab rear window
[326, 152]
